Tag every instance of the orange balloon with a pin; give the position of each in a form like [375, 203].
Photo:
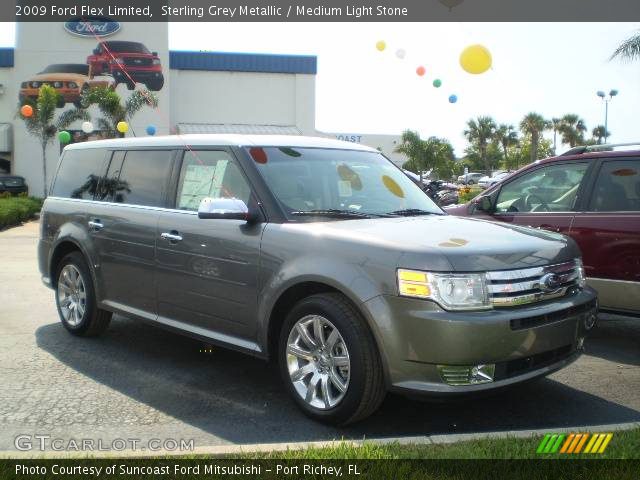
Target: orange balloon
[26, 111]
[421, 70]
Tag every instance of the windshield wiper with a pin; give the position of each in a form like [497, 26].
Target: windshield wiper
[413, 212]
[332, 212]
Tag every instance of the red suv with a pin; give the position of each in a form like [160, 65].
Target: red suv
[127, 62]
[591, 194]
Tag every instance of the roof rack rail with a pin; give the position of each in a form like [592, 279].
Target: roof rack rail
[598, 148]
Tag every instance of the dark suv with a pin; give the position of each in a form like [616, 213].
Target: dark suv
[319, 253]
[13, 184]
[591, 194]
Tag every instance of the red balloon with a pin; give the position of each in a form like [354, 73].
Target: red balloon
[421, 70]
[26, 111]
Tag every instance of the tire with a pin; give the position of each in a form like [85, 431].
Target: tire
[156, 84]
[362, 378]
[73, 295]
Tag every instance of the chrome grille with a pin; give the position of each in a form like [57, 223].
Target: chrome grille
[510, 288]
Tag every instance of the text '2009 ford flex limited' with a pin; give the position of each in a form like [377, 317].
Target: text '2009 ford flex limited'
[318, 253]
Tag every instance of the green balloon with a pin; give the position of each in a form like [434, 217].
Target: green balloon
[437, 83]
[64, 136]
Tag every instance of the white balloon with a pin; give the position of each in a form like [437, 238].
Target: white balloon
[87, 127]
[401, 53]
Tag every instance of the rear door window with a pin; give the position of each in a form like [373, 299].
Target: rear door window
[552, 188]
[617, 188]
[80, 173]
[143, 178]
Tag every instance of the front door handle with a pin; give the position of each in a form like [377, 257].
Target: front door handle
[172, 236]
[95, 225]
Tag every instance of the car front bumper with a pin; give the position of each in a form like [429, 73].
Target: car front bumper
[417, 336]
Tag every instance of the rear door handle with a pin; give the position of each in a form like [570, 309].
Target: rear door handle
[95, 225]
[172, 236]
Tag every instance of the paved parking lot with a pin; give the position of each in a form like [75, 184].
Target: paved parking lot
[142, 382]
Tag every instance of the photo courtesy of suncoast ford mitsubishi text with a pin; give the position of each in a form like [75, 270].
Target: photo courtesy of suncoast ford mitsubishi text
[319, 254]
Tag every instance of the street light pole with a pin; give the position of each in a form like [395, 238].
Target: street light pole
[606, 99]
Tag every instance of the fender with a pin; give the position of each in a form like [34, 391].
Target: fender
[76, 234]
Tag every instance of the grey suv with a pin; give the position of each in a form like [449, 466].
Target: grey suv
[317, 253]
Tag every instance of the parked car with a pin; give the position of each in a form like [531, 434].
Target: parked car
[129, 63]
[488, 181]
[13, 184]
[470, 178]
[70, 80]
[589, 194]
[319, 253]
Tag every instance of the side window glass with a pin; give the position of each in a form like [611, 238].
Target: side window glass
[143, 177]
[209, 173]
[80, 173]
[617, 187]
[111, 186]
[548, 189]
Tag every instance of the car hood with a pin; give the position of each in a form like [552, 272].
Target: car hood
[444, 242]
[58, 77]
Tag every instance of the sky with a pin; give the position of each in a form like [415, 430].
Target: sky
[550, 68]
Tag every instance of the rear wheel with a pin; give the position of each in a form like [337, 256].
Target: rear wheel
[76, 300]
[329, 361]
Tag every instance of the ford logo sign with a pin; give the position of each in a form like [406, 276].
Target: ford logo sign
[92, 26]
[550, 282]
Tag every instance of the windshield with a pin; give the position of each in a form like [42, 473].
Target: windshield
[127, 47]
[67, 68]
[356, 183]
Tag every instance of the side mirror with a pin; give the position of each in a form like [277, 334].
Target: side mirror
[155, 54]
[482, 204]
[223, 208]
[96, 51]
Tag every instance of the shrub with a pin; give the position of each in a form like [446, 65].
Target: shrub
[14, 210]
[467, 193]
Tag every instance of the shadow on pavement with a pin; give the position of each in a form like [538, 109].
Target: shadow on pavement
[240, 399]
[616, 339]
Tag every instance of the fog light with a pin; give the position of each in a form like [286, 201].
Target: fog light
[590, 320]
[467, 374]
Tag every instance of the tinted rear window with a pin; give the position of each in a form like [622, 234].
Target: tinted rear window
[67, 68]
[143, 177]
[127, 47]
[79, 173]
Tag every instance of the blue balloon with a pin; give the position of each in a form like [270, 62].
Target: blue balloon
[151, 130]
[453, 99]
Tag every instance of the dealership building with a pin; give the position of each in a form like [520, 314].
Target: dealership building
[198, 92]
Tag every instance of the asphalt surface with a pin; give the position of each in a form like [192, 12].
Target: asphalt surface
[141, 382]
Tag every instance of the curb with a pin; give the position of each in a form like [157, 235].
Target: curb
[280, 447]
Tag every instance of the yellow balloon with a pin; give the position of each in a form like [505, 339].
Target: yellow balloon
[123, 127]
[381, 45]
[476, 59]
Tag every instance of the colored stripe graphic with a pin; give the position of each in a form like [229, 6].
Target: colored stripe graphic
[574, 443]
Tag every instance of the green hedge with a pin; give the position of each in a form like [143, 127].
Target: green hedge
[14, 210]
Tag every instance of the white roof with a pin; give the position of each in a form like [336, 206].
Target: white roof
[238, 128]
[210, 140]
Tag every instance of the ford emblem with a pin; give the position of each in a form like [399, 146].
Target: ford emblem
[549, 282]
[92, 26]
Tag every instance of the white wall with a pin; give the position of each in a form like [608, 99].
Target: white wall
[42, 44]
[243, 98]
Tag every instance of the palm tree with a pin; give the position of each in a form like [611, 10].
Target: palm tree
[43, 125]
[113, 111]
[479, 133]
[555, 125]
[506, 136]
[533, 124]
[572, 129]
[599, 134]
[430, 154]
[629, 49]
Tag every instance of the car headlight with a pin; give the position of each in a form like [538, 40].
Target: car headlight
[72, 85]
[35, 84]
[156, 61]
[581, 279]
[464, 291]
[57, 84]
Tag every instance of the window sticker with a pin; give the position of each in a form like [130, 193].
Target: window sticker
[201, 181]
[344, 188]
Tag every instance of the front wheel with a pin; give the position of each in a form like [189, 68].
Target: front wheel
[76, 299]
[329, 361]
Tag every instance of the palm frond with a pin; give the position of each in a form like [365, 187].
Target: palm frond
[67, 117]
[628, 50]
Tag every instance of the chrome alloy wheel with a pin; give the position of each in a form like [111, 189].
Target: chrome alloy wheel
[72, 295]
[318, 362]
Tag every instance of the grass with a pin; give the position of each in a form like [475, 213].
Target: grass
[15, 210]
[624, 445]
[467, 193]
